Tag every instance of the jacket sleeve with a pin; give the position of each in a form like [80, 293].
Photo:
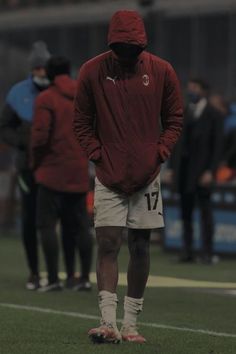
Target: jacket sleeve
[216, 143]
[84, 118]
[41, 130]
[171, 113]
[13, 131]
[230, 147]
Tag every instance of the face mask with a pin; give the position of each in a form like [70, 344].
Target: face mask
[193, 97]
[127, 54]
[41, 82]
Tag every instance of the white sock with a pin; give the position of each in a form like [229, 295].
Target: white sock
[108, 304]
[132, 307]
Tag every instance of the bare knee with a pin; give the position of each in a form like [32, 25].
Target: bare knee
[109, 241]
[139, 245]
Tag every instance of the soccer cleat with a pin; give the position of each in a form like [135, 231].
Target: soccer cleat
[105, 333]
[33, 283]
[130, 334]
[82, 285]
[51, 287]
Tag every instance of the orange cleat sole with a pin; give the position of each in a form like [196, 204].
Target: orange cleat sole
[103, 335]
[135, 338]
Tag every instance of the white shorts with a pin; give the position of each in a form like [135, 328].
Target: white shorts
[142, 210]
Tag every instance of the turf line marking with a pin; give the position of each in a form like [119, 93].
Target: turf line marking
[92, 317]
[165, 282]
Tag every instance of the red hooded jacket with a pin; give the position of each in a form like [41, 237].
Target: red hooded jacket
[127, 121]
[56, 157]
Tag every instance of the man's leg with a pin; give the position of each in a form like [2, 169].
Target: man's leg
[110, 215]
[84, 241]
[145, 213]
[28, 191]
[76, 234]
[187, 205]
[138, 243]
[207, 223]
[47, 217]
[138, 271]
[68, 246]
[109, 241]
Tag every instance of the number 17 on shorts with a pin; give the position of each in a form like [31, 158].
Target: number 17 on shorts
[145, 207]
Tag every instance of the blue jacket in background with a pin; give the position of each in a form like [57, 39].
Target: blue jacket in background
[21, 99]
[16, 119]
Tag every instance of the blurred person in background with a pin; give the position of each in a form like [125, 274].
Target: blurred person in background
[15, 125]
[194, 164]
[123, 98]
[220, 104]
[227, 168]
[61, 171]
[8, 182]
[229, 149]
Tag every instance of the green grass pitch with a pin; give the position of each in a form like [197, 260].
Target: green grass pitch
[60, 331]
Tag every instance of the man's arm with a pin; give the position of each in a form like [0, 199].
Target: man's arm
[41, 130]
[13, 131]
[84, 121]
[171, 114]
[215, 146]
[216, 140]
[230, 151]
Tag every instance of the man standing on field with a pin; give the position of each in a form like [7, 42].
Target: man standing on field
[128, 117]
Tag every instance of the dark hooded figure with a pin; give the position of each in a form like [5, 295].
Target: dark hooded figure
[128, 117]
[61, 171]
[193, 168]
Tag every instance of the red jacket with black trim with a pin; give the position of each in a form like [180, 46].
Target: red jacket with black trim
[58, 161]
[127, 121]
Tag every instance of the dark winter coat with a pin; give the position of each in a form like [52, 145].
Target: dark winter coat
[198, 150]
[56, 157]
[127, 121]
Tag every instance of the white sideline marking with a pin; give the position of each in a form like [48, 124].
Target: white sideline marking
[166, 282]
[92, 317]
[230, 292]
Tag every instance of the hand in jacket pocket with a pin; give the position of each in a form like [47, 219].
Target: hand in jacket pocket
[163, 153]
[95, 156]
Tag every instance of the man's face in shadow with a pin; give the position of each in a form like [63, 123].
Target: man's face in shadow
[127, 54]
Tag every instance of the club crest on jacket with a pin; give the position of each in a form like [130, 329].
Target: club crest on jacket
[145, 80]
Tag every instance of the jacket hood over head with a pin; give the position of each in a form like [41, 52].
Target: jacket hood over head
[127, 27]
[65, 85]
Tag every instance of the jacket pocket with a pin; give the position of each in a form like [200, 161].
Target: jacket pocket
[145, 162]
[111, 167]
